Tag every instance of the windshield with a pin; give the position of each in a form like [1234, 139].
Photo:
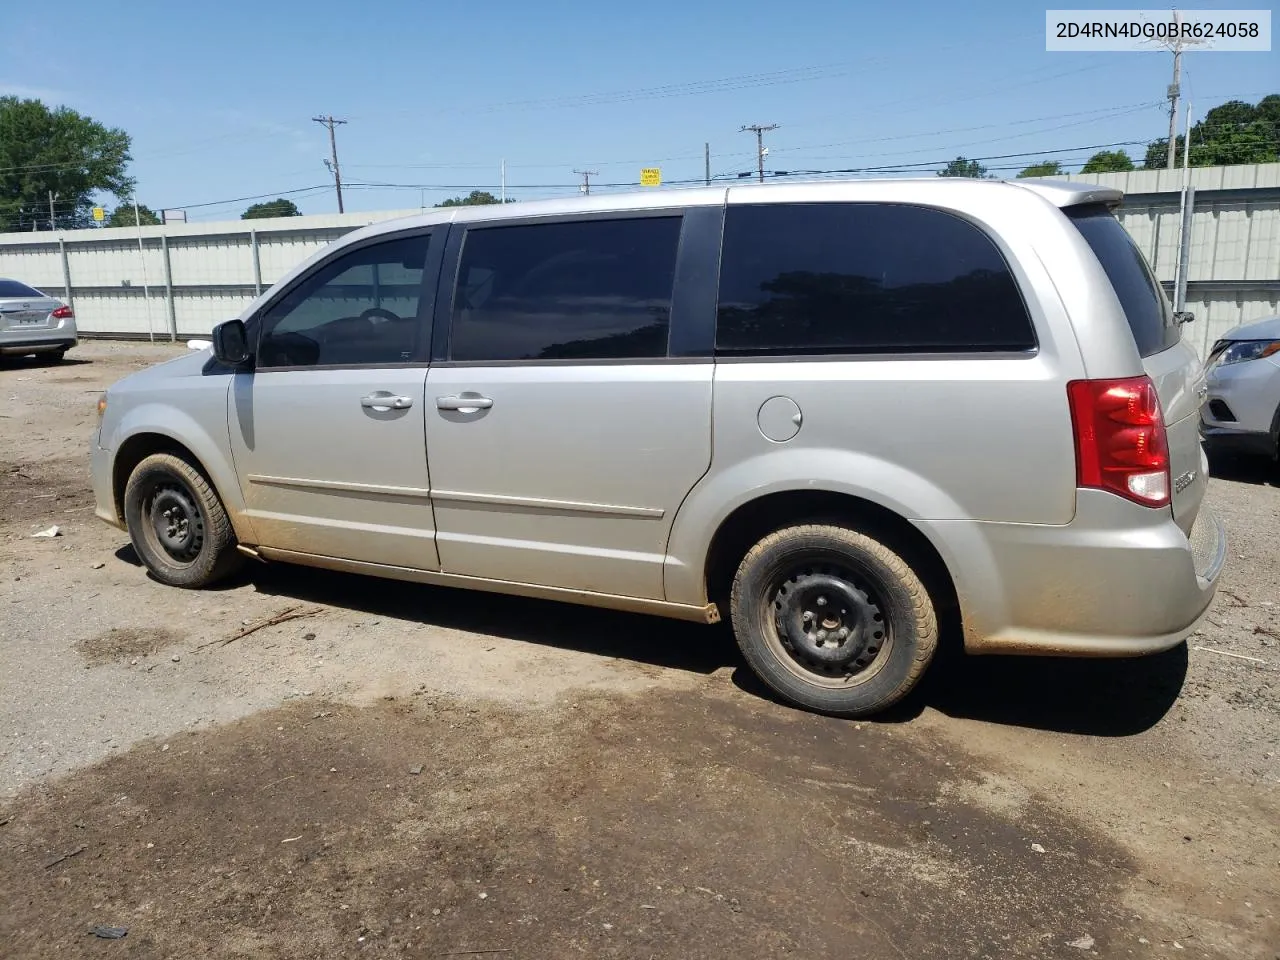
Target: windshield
[1145, 305]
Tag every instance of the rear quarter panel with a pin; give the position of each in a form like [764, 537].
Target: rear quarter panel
[964, 437]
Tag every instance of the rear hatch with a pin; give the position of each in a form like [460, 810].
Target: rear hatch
[1172, 364]
[25, 308]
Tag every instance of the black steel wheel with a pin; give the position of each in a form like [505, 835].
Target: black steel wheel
[833, 620]
[177, 523]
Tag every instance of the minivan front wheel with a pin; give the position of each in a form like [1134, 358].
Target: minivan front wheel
[178, 526]
[832, 619]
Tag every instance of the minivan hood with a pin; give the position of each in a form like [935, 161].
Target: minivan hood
[189, 365]
[1267, 329]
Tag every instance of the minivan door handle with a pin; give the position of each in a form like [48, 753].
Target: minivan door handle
[464, 404]
[382, 400]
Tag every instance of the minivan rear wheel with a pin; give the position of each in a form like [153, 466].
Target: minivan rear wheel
[177, 523]
[833, 620]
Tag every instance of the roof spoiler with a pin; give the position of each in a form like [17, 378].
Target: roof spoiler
[1068, 193]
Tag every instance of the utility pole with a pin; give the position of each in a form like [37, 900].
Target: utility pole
[760, 130]
[142, 260]
[706, 162]
[53, 223]
[331, 122]
[1175, 91]
[586, 176]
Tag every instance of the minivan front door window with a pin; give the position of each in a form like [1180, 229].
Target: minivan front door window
[360, 309]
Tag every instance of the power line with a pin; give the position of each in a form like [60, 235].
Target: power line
[730, 176]
[330, 122]
[1109, 112]
[723, 176]
[1092, 116]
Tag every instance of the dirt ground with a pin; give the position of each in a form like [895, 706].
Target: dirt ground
[402, 771]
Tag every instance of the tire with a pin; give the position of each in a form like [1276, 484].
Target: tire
[177, 523]
[800, 587]
[57, 356]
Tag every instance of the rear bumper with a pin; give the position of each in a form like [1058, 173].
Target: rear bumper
[39, 338]
[19, 347]
[1118, 581]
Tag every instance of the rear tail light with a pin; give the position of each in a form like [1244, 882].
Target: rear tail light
[63, 313]
[1120, 440]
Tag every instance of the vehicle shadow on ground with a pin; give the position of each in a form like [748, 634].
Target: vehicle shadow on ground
[1108, 698]
[606, 633]
[126, 554]
[1240, 469]
[1101, 698]
[27, 363]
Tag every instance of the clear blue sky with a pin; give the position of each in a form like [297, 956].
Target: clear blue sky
[218, 97]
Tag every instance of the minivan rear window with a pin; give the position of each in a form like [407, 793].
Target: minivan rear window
[1141, 297]
[832, 279]
[12, 288]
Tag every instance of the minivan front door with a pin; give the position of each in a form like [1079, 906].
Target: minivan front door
[328, 430]
[562, 437]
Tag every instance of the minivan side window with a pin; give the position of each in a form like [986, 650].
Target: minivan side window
[850, 278]
[358, 309]
[565, 290]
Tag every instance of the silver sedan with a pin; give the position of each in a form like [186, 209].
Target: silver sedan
[31, 322]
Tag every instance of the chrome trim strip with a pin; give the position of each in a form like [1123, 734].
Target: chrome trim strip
[541, 503]
[340, 486]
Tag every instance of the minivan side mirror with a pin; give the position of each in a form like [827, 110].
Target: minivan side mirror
[1183, 316]
[231, 343]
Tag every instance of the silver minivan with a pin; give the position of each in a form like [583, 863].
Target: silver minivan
[839, 414]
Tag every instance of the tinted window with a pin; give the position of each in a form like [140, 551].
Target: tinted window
[358, 309]
[12, 288]
[863, 278]
[1145, 305]
[584, 290]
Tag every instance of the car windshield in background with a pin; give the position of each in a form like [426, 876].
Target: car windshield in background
[12, 288]
[1144, 303]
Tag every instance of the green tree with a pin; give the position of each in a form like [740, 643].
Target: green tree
[1231, 133]
[1045, 168]
[279, 207]
[1108, 161]
[1157, 155]
[122, 216]
[960, 167]
[57, 151]
[476, 198]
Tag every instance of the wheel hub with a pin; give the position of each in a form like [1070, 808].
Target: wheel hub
[828, 623]
[177, 524]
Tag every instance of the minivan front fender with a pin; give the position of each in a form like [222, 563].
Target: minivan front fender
[150, 426]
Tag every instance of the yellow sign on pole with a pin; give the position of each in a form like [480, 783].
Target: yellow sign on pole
[99, 214]
[651, 177]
